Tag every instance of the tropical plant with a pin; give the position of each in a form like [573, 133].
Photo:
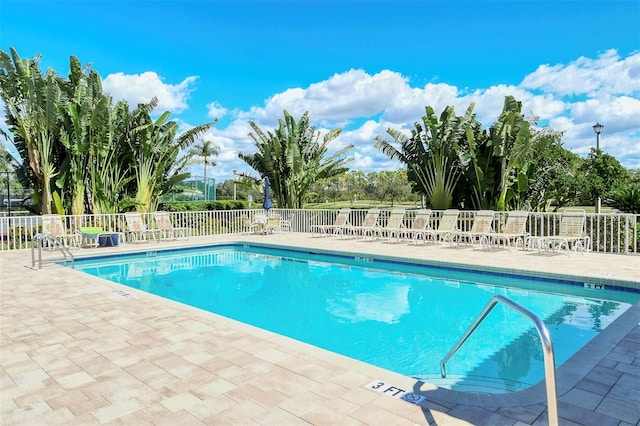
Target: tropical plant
[479, 166]
[156, 146]
[83, 118]
[455, 162]
[626, 198]
[80, 153]
[511, 137]
[499, 163]
[430, 153]
[110, 161]
[293, 157]
[31, 105]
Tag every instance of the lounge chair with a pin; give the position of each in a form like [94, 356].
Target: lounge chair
[286, 224]
[255, 226]
[94, 236]
[419, 226]
[52, 224]
[340, 223]
[247, 226]
[137, 229]
[571, 235]
[369, 224]
[166, 228]
[515, 229]
[447, 227]
[480, 231]
[394, 226]
[273, 224]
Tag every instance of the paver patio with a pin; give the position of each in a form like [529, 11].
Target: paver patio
[76, 349]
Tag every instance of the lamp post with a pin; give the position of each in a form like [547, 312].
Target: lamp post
[235, 173]
[597, 128]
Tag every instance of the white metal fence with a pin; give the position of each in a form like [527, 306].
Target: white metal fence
[609, 233]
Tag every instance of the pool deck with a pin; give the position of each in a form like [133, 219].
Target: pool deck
[79, 350]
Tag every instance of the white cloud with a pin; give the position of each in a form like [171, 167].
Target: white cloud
[618, 113]
[140, 88]
[607, 74]
[216, 110]
[567, 97]
[350, 94]
[408, 104]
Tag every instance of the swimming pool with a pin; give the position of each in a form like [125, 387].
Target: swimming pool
[397, 315]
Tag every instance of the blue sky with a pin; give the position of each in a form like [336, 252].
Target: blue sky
[360, 65]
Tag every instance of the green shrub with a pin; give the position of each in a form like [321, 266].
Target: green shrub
[626, 199]
[178, 206]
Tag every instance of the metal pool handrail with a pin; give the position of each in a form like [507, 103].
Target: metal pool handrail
[37, 243]
[547, 350]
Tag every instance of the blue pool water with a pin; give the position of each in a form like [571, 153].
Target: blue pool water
[399, 316]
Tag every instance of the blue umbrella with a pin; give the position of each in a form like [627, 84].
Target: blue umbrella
[267, 201]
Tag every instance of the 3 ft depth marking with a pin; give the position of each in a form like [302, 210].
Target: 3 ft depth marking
[396, 392]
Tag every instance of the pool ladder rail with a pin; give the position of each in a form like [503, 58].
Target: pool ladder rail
[547, 350]
[37, 243]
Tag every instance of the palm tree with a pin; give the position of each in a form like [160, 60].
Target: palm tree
[293, 157]
[204, 150]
